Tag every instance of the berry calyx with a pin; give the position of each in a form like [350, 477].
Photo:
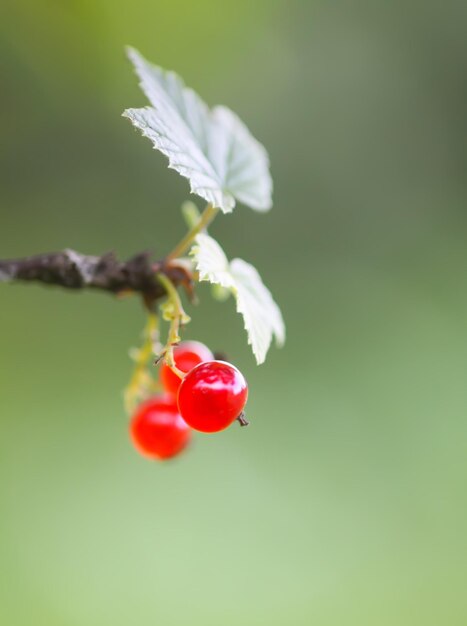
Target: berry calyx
[212, 395]
[186, 355]
[157, 429]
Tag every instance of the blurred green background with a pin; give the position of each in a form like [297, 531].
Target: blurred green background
[345, 501]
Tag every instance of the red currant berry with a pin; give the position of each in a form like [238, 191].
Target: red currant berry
[186, 355]
[157, 429]
[212, 395]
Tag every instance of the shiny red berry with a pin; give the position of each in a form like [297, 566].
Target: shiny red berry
[212, 395]
[157, 429]
[186, 355]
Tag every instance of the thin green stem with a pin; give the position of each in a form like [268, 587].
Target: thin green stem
[183, 246]
[174, 313]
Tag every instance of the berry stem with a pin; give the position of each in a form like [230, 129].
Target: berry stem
[174, 313]
[183, 246]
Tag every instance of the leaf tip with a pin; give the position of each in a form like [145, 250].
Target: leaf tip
[132, 53]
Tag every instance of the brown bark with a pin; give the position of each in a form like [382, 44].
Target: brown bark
[72, 270]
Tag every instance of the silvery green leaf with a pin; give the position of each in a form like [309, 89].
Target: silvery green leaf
[212, 148]
[261, 315]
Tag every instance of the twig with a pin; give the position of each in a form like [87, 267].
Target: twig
[72, 270]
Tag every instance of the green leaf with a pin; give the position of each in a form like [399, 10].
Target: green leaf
[212, 148]
[261, 315]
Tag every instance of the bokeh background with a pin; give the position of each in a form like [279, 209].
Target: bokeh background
[345, 501]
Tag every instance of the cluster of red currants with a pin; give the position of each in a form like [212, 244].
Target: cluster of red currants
[210, 396]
